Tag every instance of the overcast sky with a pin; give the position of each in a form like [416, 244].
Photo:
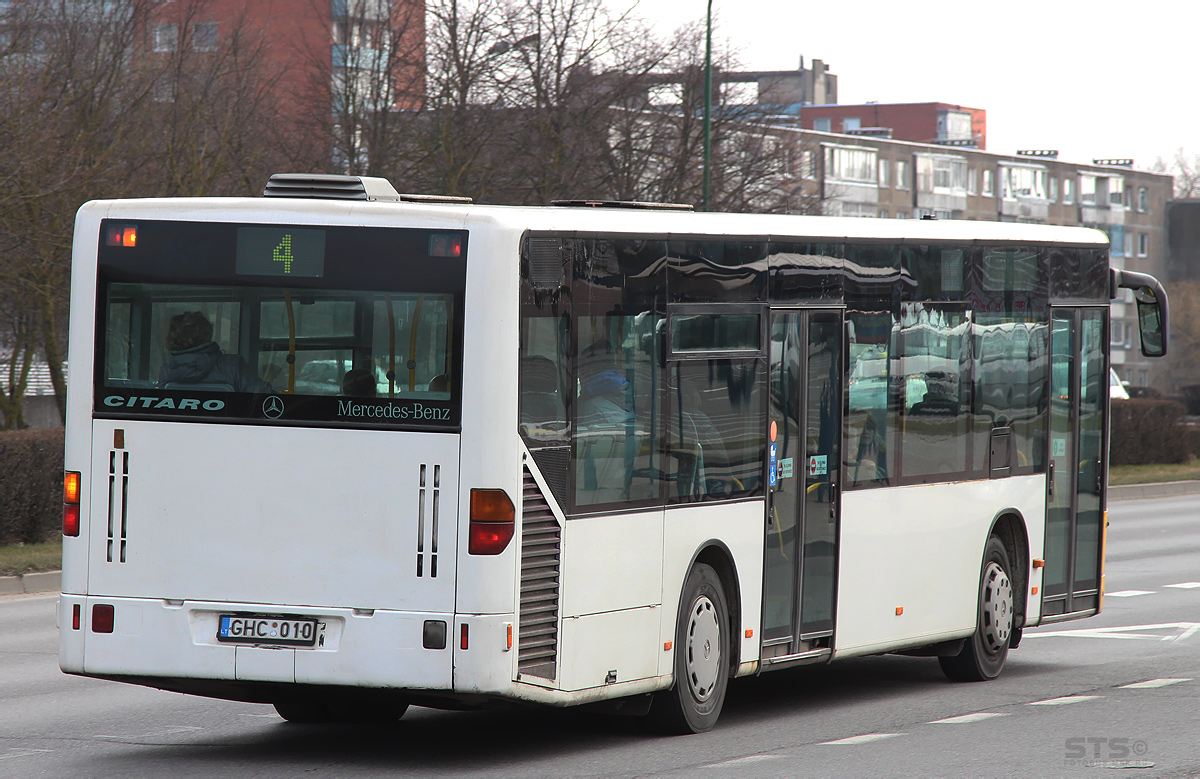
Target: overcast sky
[1091, 78]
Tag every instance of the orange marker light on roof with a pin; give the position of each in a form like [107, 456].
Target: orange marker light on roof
[121, 235]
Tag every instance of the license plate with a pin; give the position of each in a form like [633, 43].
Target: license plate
[252, 629]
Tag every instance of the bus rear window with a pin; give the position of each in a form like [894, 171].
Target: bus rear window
[256, 350]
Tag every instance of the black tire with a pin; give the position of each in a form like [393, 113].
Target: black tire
[309, 711]
[701, 660]
[983, 655]
[342, 708]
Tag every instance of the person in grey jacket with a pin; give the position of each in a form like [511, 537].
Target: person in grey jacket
[197, 359]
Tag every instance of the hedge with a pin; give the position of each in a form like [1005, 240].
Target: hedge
[1149, 431]
[31, 468]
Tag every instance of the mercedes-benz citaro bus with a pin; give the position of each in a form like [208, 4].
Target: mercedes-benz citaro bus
[342, 450]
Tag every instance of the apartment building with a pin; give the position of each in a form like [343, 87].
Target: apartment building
[890, 179]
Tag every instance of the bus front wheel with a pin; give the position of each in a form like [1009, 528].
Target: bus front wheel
[983, 655]
[702, 647]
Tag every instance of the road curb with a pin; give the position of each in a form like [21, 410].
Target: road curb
[1165, 489]
[50, 581]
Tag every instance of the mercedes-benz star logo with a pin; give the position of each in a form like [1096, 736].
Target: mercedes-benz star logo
[273, 407]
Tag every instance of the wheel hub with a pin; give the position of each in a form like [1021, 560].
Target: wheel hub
[703, 656]
[996, 608]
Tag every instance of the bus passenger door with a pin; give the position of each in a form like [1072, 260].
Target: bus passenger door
[1074, 499]
[799, 587]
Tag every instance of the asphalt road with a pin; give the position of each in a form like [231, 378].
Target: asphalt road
[1119, 691]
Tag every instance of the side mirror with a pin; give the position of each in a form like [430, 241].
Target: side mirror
[1151, 322]
[1151, 300]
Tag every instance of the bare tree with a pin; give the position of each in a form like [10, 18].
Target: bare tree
[1186, 171]
[212, 125]
[656, 143]
[64, 95]
[569, 63]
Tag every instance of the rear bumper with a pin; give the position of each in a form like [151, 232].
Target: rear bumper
[177, 640]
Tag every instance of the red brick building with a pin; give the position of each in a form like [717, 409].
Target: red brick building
[936, 123]
[310, 50]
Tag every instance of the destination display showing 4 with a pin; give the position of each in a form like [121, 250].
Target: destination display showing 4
[253, 629]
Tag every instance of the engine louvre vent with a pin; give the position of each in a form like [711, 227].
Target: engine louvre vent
[537, 625]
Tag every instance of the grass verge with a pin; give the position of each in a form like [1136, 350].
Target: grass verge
[30, 558]
[1149, 474]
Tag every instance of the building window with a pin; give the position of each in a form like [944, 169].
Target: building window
[972, 181]
[1128, 247]
[1116, 191]
[1052, 190]
[166, 37]
[902, 174]
[204, 36]
[902, 215]
[822, 124]
[1068, 191]
[1143, 203]
[1022, 183]
[1143, 244]
[988, 183]
[851, 123]
[883, 214]
[844, 164]
[1087, 190]
[884, 166]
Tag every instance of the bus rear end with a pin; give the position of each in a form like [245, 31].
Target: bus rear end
[265, 427]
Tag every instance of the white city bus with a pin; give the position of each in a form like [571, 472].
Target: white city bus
[343, 451]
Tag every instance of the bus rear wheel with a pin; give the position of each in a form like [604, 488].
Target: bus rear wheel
[983, 655]
[702, 651]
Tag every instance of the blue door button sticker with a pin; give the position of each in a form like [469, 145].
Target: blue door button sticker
[771, 467]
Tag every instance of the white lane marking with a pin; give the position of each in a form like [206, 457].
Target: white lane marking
[23, 752]
[1063, 701]
[168, 731]
[1152, 683]
[1174, 631]
[964, 719]
[866, 739]
[1184, 585]
[742, 761]
[1127, 593]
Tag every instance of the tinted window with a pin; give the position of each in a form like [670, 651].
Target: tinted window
[718, 428]
[192, 331]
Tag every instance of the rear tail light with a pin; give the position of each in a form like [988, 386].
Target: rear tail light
[102, 618]
[70, 523]
[493, 520]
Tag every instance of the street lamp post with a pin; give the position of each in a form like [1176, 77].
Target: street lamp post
[707, 103]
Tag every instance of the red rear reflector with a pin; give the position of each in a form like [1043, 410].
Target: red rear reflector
[493, 521]
[71, 487]
[70, 519]
[463, 641]
[102, 618]
[75, 611]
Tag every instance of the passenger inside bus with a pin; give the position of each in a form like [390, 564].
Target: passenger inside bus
[359, 382]
[196, 359]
